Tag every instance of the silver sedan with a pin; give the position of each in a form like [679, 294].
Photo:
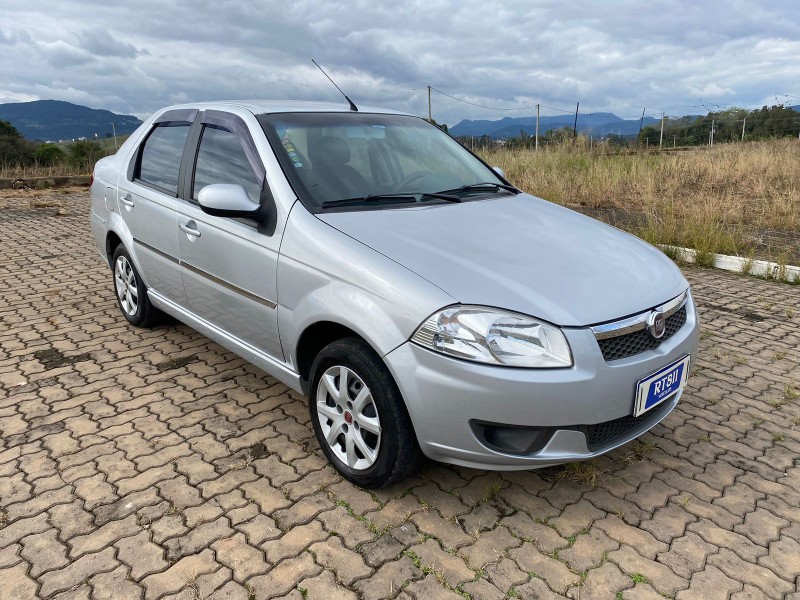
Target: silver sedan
[425, 305]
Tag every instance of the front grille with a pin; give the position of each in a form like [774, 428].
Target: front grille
[605, 434]
[640, 341]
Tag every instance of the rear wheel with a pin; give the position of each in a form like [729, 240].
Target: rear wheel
[359, 417]
[131, 291]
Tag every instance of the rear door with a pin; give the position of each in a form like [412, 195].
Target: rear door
[229, 266]
[148, 201]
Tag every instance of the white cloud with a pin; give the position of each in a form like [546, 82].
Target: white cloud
[614, 56]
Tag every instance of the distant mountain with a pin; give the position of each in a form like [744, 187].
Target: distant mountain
[599, 124]
[56, 120]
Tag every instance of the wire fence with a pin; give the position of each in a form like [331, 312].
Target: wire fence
[719, 124]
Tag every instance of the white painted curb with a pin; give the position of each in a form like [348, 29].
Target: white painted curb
[738, 264]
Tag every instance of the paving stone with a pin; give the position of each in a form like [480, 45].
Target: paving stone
[76, 572]
[324, 587]
[483, 590]
[604, 582]
[449, 567]
[44, 552]
[388, 579]
[430, 589]
[552, 571]
[451, 535]
[293, 542]
[103, 536]
[346, 564]
[644, 542]
[240, 557]
[658, 575]
[576, 517]
[115, 585]
[687, 555]
[141, 555]
[759, 576]
[284, 577]
[183, 572]
[490, 547]
[709, 583]
[17, 584]
[198, 538]
[383, 549]
[588, 551]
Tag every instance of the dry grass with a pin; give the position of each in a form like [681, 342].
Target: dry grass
[24, 172]
[703, 198]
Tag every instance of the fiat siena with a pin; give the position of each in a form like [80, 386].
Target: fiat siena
[424, 304]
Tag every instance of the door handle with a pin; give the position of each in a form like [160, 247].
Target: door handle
[127, 200]
[189, 229]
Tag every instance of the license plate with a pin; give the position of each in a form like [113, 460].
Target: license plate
[654, 389]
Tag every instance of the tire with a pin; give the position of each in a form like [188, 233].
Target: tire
[131, 292]
[375, 443]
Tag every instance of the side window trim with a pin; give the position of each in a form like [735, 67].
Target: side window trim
[188, 115]
[236, 125]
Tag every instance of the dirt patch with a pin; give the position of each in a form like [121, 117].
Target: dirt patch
[52, 358]
[174, 363]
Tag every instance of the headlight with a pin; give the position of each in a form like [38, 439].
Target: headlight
[494, 336]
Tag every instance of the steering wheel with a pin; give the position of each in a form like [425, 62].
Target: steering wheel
[411, 178]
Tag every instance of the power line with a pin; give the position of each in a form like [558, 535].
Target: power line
[497, 107]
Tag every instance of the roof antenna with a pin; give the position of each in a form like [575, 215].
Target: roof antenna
[353, 107]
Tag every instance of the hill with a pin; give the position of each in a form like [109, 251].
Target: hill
[599, 124]
[57, 120]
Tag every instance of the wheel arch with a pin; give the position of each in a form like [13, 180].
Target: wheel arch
[314, 338]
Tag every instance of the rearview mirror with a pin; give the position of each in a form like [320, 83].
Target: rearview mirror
[227, 200]
[499, 171]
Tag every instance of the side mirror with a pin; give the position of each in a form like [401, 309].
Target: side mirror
[227, 200]
[499, 171]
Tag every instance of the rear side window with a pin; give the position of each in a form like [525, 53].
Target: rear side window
[221, 159]
[161, 155]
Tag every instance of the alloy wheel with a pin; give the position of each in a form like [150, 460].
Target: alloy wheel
[125, 284]
[348, 417]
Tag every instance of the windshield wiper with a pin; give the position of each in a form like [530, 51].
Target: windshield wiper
[440, 196]
[371, 199]
[389, 199]
[485, 185]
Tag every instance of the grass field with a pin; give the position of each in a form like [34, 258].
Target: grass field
[732, 199]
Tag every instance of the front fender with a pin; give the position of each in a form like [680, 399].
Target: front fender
[325, 275]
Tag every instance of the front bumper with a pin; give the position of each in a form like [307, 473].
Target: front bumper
[446, 397]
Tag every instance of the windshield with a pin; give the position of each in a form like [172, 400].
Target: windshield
[359, 160]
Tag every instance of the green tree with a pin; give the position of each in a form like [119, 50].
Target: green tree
[48, 154]
[84, 153]
[14, 149]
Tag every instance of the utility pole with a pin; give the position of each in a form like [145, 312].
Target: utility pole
[639, 136]
[537, 127]
[743, 122]
[430, 118]
[661, 137]
[114, 129]
[575, 125]
[711, 143]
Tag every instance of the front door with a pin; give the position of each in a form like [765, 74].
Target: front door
[229, 267]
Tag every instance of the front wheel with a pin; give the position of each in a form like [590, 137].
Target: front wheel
[359, 416]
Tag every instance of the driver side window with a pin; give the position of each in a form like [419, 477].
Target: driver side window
[221, 159]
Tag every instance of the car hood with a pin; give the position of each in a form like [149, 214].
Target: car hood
[521, 253]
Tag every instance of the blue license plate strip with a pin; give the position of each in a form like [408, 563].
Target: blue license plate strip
[664, 383]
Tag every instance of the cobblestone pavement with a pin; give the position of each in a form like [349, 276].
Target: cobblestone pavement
[155, 464]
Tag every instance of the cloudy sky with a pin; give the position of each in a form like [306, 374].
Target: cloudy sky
[623, 55]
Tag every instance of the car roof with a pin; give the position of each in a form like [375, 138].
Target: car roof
[283, 106]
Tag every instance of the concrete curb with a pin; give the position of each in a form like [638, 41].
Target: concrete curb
[747, 266]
